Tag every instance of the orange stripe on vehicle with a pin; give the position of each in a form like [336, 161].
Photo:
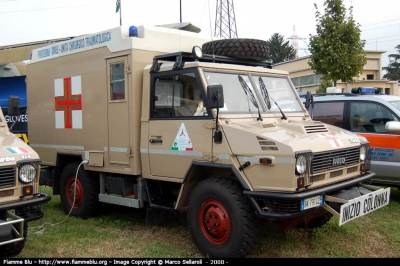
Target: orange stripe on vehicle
[382, 140]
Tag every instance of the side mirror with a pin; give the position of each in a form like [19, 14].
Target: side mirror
[13, 105]
[308, 100]
[215, 96]
[393, 127]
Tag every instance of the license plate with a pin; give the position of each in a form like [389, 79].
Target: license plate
[363, 205]
[312, 202]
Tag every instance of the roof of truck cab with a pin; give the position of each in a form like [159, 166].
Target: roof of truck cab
[167, 66]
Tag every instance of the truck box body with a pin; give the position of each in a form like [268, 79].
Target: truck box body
[157, 124]
[117, 120]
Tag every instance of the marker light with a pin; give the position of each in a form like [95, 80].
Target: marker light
[266, 161]
[133, 32]
[28, 190]
[300, 182]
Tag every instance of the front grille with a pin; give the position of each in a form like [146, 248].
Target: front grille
[336, 173]
[324, 161]
[352, 169]
[280, 206]
[317, 177]
[7, 176]
[7, 193]
[32, 212]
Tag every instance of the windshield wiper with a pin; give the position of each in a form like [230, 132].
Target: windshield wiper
[250, 96]
[266, 97]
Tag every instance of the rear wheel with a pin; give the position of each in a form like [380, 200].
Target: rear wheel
[80, 194]
[239, 48]
[221, 220]
[13, 249]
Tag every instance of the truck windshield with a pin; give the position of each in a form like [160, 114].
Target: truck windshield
[236, 98]
[280, 91]
[240, 100]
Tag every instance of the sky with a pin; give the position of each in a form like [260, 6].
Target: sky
[24, 21]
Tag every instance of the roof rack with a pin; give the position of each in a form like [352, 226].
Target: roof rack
[181, 57]
[333, 94]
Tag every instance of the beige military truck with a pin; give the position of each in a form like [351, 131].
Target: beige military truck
[20, 197]
[161, 118]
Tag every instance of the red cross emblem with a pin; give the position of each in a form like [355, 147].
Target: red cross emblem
[68, 102]
[335, 142]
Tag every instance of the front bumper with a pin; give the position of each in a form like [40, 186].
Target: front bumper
[27, 208]
[277, 205]
[12, 224]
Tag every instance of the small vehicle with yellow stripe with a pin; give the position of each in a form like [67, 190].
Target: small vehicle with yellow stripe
[20, 196]
[162, 118]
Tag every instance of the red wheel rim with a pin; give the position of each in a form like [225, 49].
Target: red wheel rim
[76, 188]
[214, 222]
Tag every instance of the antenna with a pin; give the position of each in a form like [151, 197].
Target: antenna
[180, 10]
[225, 23]
[294, 39]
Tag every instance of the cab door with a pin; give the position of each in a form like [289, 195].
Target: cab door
[178, 132]
[119, 148]
[368, 119]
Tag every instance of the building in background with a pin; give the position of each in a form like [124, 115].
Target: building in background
[304, 78]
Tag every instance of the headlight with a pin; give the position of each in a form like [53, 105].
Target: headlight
[27, 173]
[363, 153]
[301, 164]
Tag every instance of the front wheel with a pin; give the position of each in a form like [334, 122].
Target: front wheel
[79, 196]
[221, 220]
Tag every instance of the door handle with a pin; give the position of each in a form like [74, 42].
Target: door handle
[155, 140]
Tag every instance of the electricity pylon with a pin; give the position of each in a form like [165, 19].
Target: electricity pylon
[225, 23]
[294, 39]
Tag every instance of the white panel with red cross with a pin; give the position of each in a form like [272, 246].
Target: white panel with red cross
[68, 102]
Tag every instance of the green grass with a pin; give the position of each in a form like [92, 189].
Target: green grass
[120, 232]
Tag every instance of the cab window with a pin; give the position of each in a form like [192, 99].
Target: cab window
[369, 117]
[329, 112]
[176, 95]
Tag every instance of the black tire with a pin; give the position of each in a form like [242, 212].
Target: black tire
[239, 48]
[231, 215]
[318, 221]
[13, 249]
[87, 192]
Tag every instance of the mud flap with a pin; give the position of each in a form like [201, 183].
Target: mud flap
[156, 216]
[356, 201]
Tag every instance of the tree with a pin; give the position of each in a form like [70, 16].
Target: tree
[393, 69]
[325, 83]
[337, 50]
[280, 50]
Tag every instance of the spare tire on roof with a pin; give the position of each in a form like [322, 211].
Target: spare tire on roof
[239, 48]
